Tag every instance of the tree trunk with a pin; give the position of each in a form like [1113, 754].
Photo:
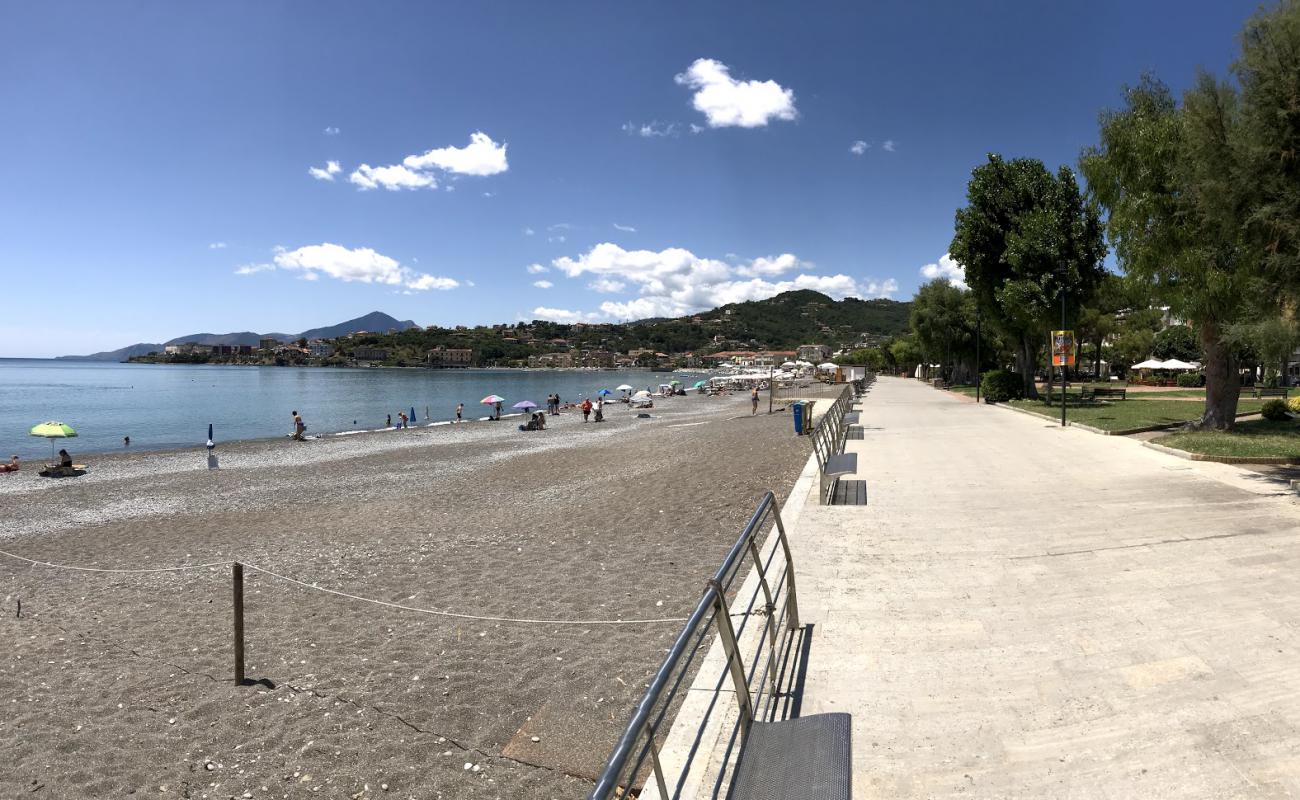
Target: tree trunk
[1025, 365]
[1096, 360]
[1222, 381]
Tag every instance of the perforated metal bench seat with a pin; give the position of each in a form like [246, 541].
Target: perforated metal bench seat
[842, 464]
[807, 758]
[851, 418]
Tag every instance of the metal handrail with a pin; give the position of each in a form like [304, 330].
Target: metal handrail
[642, 734]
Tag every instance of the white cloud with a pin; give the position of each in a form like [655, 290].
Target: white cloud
[607, 286]
[563, 315]
[625, 228]
[560, 226]
[481, 156]
[727, 102]
[768, 267]
[696, 128]
[859, 147]
[216, 245]
[536, 269]
[653, 128]
[675, 281]
[885, 288]
[331, 131]
[394, 178]
[543, 284]
[529, 231]
[557, 238]
[362, 265]
[948, 269]
[331, 169]
[888, 145]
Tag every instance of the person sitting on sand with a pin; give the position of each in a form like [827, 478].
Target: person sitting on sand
[541, 421]
[12, 466]
[65, 460]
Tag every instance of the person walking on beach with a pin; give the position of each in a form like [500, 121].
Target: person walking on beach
[388, 423]
[460, 409]
[586, 409]
[401, 420]
[600, 409]
[298, 427]
[753, 398]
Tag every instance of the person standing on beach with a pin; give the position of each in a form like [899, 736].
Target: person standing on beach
[460, 409]
[298, 426]
[401, 420]
[753, 398]
[586, 409]
[600, 409]
[388, 422]
[498, 408]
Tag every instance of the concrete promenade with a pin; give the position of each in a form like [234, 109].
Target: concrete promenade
[1027, 611]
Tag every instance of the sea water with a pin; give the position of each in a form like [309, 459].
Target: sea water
[163, 406]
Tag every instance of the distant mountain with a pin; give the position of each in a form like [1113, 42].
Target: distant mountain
[375, 322]
[804, 316]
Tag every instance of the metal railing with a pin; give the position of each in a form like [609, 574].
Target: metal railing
[759, 689]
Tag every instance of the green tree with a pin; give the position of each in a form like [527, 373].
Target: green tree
[1268, 71]
[1176, 341]
[943, 319]
[906, 353]
[1025, 237]
[1274, 340]
[1171, 181]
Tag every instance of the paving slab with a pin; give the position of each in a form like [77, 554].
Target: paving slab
[1022, 610]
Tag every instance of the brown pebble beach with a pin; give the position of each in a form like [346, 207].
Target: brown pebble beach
[121, 682]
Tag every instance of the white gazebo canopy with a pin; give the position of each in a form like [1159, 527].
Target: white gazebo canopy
[1174, 363]
[1150, 363]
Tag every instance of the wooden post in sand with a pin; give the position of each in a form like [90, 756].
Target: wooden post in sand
[237, 576]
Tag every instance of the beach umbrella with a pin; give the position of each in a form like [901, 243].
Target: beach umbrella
[604, 392]
[625, 388]
[674, 382]
[789, 365]
[829, 365]
[1150, 363]
[492, 400]
[210, 442]
[52, 431]
[641, 394]
[1175, 363]
[698, 384]
[412, 417]
[524, 405]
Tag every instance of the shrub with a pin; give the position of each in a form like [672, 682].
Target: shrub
[1275, 409]
[1189, 379]
[1294, 404]
[1002, 385]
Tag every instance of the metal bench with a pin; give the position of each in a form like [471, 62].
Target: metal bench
[1270, 391]
[778, 755]
[828, 446]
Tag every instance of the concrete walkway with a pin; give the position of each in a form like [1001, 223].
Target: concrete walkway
[1026, 611]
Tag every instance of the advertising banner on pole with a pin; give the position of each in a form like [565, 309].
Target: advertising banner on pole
[1063, 348]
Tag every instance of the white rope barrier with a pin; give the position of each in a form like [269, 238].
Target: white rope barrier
[475, 617]
[181, 568]
[304, 584]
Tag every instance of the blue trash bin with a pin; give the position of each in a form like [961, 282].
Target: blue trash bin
[796, 410]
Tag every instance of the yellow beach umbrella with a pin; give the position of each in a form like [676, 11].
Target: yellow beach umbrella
[52, 431]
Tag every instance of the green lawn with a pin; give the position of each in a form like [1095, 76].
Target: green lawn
[968, 390]
[1122, 415]
[1256, 438]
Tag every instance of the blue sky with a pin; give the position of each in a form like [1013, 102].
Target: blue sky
[641, 158]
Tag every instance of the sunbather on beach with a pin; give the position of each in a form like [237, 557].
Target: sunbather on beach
[12, 466]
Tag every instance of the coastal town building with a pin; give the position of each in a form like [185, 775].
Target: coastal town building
[450, 357]
[268, 343]
[187, 349]
[369, 353]
[602, 359]
[556, 360]
[232, 349]
[319, 349]
[814, 353]
[754, 358]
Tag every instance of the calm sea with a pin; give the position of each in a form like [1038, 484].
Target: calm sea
[166, 406]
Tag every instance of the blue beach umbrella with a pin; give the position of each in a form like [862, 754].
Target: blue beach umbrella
[604, 392]
[412, 418]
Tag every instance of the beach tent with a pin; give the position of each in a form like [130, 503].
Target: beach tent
[1150, 363]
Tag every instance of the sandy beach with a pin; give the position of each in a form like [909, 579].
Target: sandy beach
[121, 682]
